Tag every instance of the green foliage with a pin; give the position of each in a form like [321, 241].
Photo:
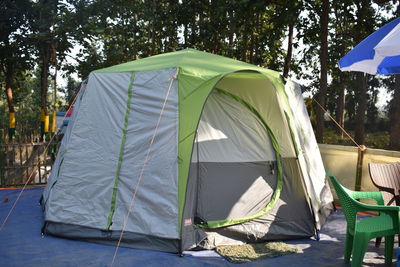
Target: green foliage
[15, 48]
[69, 91]
[373, 140]
[106, 32]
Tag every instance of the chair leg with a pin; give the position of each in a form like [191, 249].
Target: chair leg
[348, 247]
[360, 245]
[378, 242]
[389, 242]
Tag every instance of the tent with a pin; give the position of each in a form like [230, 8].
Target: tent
[187, 149]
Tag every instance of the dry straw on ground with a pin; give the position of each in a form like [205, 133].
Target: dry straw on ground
[249, 252]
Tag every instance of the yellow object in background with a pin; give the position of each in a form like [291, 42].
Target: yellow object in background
[54, 122]
[42, 116]
[46, 123]
[12, 120]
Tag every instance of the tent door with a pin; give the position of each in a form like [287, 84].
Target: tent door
[236, 163]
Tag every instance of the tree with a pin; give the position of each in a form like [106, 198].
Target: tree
[309, 33]
[14, 49]
[51, 25]
[341, 41]
[43, 22]
[324, 69]
[364, 26]
[291, 19]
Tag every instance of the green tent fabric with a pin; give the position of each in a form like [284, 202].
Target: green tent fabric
[152, 144]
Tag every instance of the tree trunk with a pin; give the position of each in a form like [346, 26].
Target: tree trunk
[201, 25]
[288, 58]
[361, 108]
[257, 59]
[231, 28]
[135, 41]
[395, 117]
[214, 24]
[44, 86]
[153, 30]
[44, 76]
[324, 71]
[192, 26]
[244, 41]
[361, 98]
[10, 101]
[340, 110]
[251, 48]
[47, 13]
[9, 91]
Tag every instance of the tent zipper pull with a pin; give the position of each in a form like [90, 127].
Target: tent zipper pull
[272, 166]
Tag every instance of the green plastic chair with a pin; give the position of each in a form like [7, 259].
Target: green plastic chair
[360, 232]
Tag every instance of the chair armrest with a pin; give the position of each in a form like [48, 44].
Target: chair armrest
[379, 208]
[377, 196]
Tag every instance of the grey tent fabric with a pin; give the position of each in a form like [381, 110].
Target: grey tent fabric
[233, 190]
[311, 165]
[130, 239]
[229, 132]
[291, 218]
[100, 117]
[260, 92]
[156, 201]
[102, 153]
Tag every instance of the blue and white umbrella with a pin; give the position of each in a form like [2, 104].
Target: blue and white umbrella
[379, 53]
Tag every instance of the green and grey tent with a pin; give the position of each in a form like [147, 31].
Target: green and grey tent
[187, 149]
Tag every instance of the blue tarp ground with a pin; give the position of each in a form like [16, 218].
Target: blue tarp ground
[21, 244]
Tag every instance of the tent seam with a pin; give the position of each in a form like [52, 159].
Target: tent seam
[121, 153]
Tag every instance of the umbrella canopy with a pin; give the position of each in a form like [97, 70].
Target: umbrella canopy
[379, 53]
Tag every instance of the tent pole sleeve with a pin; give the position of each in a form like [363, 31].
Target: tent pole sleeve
[121, 152]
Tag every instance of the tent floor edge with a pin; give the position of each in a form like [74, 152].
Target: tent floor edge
[130, 239]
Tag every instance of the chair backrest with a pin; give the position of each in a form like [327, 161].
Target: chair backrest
[347, 202]
[387, 178]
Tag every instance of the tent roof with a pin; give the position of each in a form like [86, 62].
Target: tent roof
[194, 61]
